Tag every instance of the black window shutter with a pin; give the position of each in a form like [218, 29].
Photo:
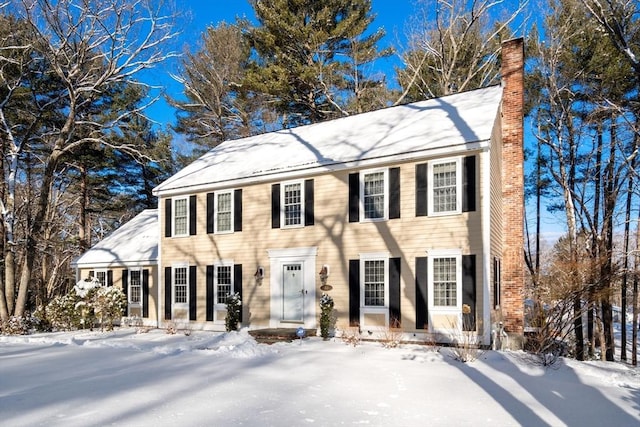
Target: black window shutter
[109, 277]
[275, 206]
[167, 293]
[210, 293]
[394, 293]
[394, 193]
[192, 215]
[469, 290]
[237, 285]
[354, 292]
[167, 218]
[125, 290]
[193, 297]
[354, 197]
[237, 210]
[91, 274]
[422, 195]
[211, 211]
[308, 202]
[422, 304]
[145, 293]
[469, 184]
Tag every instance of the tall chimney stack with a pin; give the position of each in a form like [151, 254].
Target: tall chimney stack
[512, 283]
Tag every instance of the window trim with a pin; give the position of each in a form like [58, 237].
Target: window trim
[129, 286]
[445, 253]
[174, 211]
[225, 263]
[216, 221]
[283, 192]
[106, 276]
[385, 194]
[431, 181]
[175, 267]
[368, 309]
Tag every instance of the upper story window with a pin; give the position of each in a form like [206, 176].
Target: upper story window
[180, 216]
[374, 195]
[445, 188]
[292, 204]
[224, 212]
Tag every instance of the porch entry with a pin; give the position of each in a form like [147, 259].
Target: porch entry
[292, 283]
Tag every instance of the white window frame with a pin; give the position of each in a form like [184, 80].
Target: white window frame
[431, 181]
[385, 194]
[103, 272]
[174, 211]
[283, 219]
[229, 264]
[231, 212]
[377, 309]
[446, 253]
[174, 268]
[130, 287]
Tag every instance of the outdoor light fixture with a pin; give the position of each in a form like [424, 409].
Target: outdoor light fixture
[324, 273]
[259, 275]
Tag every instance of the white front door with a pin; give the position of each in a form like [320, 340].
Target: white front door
[292, 293]
[293, 287]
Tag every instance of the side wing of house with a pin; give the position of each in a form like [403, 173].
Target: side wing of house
[128, 259]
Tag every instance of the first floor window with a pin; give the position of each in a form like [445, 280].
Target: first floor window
[292, 204]
[180, 217]
[224, 285]
[180, 285]
[445, 289]
[101, 276]
[135, 287]
[374, 283]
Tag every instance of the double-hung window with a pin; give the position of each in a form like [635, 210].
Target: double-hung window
[180, 284]
[224, 212]
[446, 187]
[181, 216]
[445, 284]
[374, 283]
[135, 287]
[292, 204]
[224, 282]
[101, 276]
[373, 194]
[445, 278]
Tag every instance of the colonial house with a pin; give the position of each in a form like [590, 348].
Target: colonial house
[128, 258]
[403, 216]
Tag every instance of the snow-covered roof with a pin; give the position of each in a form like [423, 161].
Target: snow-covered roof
[447, 124]
[133, 244]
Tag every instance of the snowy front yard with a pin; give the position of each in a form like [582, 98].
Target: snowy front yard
[207, 379]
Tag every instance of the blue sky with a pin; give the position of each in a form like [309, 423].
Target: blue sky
[392, 15]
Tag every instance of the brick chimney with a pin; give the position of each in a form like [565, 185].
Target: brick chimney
[512, 283]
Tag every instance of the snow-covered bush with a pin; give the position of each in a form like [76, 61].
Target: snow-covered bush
[232, 318]
[86, 305]
[108, 305]
[17, 325]
[326, 315]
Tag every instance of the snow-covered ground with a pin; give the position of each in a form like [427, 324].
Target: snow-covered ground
[206, 379]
